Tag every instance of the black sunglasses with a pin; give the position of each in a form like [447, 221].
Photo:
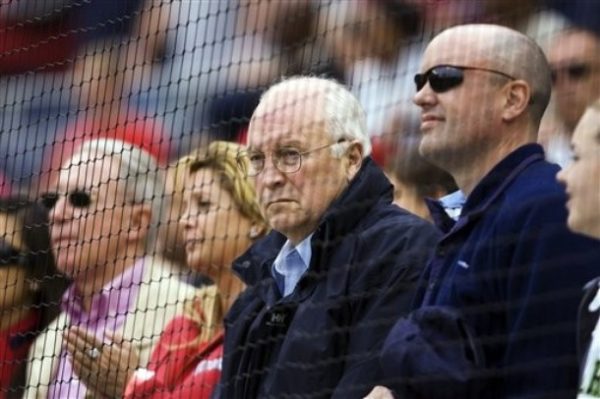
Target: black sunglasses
[10, 255]
[442, 78]
[574, 71]
[76, 198]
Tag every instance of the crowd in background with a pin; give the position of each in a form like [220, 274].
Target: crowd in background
[168, 77]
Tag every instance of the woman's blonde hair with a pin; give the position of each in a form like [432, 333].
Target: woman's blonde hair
[221, 157]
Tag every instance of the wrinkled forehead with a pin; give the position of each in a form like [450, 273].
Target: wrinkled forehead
[85, 171]
[287, 116]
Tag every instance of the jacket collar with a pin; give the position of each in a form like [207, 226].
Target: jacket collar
[368, 187]
[488, 189]
[500, 177]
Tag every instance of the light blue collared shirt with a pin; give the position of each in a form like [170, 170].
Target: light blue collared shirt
[453, 203]
[288, 267]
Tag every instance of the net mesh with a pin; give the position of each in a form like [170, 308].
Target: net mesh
[125, 199]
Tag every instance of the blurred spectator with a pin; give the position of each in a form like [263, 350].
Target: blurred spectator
[103, 219]
[531, 17]
[35, 35]
[575, 61]
[102, 111]
[221, 219]
[285, 31]
[374, 44]
[574, 57]
[30, 286]
[413, 177]
[582, 183]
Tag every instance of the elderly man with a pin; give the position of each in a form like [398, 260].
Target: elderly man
[340, 266]
[102, 224]
[496, 317]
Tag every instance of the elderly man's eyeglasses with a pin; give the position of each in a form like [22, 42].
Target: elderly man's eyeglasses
[285, 159]
[10, 255]
[574, 72]
[442, 78]
[76, 198]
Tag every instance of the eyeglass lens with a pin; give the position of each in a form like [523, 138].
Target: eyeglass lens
[286, 160]
[76, 198]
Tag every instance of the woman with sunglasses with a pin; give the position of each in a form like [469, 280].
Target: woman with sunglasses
[29, 287]
[220, 220]
[582, 181]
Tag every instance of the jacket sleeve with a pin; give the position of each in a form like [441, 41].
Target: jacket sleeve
[388, 270]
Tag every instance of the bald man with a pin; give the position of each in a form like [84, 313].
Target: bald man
[495, 317]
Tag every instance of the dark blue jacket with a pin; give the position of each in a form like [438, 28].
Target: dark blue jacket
[323, 340]
[496, 317]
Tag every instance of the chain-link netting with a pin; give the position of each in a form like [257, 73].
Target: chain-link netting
[299, 198]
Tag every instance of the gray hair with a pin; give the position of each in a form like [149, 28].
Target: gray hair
[344, 115]
[139, 174]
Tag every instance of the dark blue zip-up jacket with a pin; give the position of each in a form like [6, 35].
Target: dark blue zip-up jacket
[496, 317]
[323, 340]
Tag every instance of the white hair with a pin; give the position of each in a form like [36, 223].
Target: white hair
[139, 173]
[343, 113]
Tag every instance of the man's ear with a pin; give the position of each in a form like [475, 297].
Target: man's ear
[139, 224]
[517, 98]
[354, 157]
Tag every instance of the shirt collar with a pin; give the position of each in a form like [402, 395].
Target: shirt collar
[304, 249]
[114, 297]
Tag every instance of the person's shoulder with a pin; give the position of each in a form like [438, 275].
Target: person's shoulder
[540, 178]
[535, 190]
[395, 223]
[162, 284]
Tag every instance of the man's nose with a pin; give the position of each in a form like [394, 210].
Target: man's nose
[59, 212]
[270, 176]
[425, 97]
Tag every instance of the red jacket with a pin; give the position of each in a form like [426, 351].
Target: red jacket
[180, 367]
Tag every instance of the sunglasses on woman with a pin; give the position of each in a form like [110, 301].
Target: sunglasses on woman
[442, 78]
[10, 255]
[76, 198]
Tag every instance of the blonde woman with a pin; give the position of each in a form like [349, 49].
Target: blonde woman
[220, 220]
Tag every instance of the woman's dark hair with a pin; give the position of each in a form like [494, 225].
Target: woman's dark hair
[32, 223]
[32, 220]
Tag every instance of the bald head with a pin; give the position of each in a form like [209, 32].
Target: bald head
[502, 49]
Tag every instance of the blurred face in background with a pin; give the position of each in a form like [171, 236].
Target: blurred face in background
[575, 62]
[215, 231]
[13, 273]
[357, 30]
[91, 217]
[582, 177]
